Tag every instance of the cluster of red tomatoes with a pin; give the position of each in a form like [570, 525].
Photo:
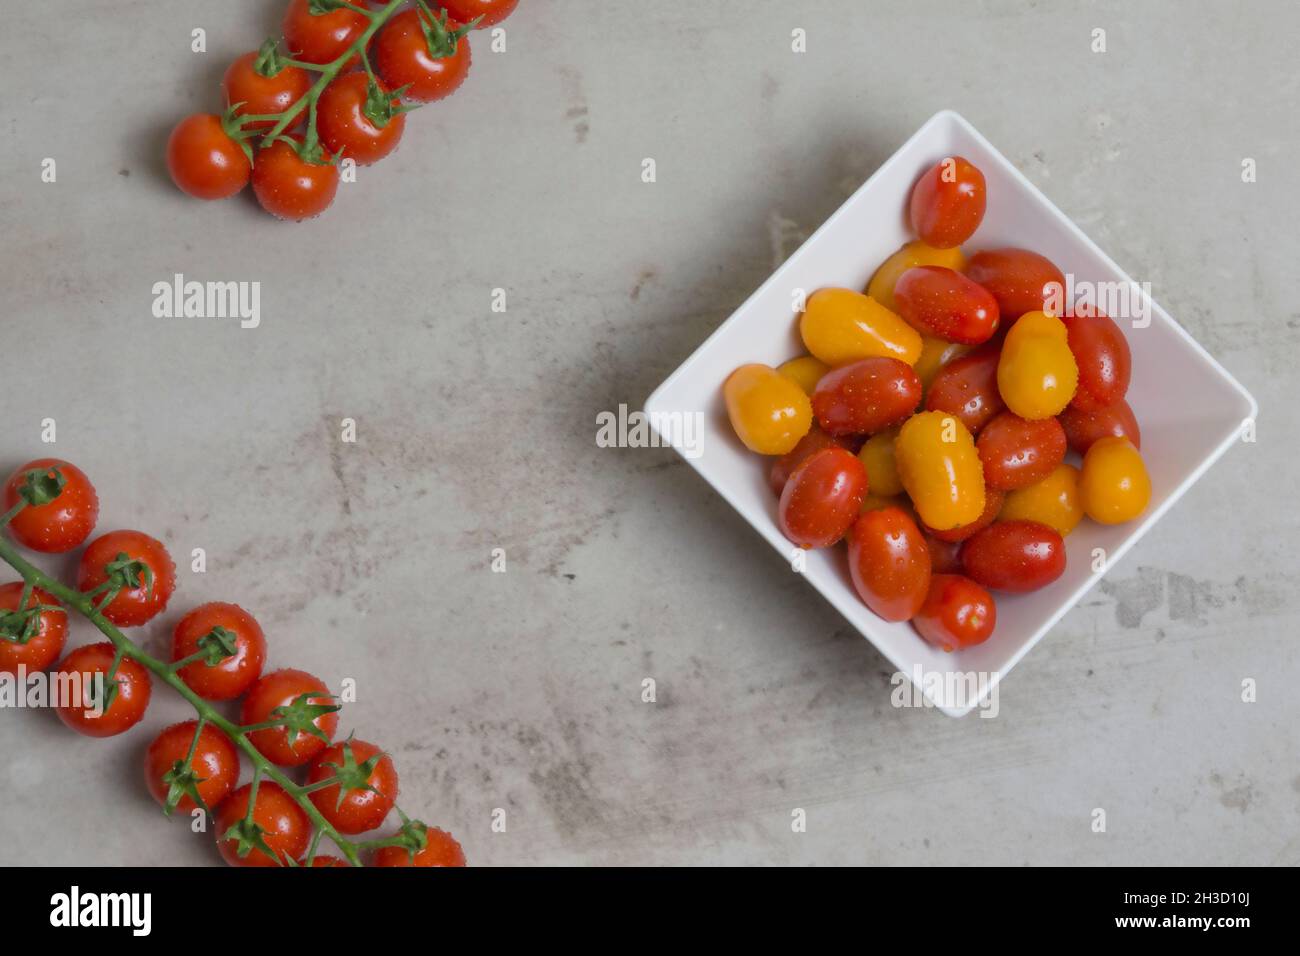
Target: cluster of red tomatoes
[218, 651]
[371, 63]
[931, 421]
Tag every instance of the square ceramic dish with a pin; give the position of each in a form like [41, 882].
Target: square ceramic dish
[1189, 408]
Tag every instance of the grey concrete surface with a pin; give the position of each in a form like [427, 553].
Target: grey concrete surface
[476, 429]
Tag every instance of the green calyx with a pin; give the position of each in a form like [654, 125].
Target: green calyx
[353, 776]
[248, 837]
[441, 40]
[413, 837]
[269, 60]
[319, 8]
[300, 716]
[129, 574]
[182, 781]
[41, 486]
[218, 645]
[381, 107]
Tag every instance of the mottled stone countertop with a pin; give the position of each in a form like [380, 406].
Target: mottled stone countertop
[476, 430]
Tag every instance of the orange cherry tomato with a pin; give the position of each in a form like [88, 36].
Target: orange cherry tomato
[45, 637]
[916, 253]
[946, 305]
[769, 411]
[947, 203]
[840, 326]
[941, 470]
[1054, 501]
[822, 498]
[805, 371]
[877, 455]
[968, 388]
[1017, 452]
[84, 712]
[866, 397]
[992, 506]
[1083, 428]
[1102, 354]
[1037, 374]
[1021, 281]
[889, 563]
[815, 440]
[957, 613]
[1114, 486]
[1015, 556]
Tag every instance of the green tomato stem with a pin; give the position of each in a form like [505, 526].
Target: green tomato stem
[125, 647]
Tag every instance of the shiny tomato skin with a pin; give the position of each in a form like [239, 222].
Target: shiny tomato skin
[1083, 428]
[345, 128]
[260, 94]
[866, 396]
[325, 861]
[134, 689]
[322, 38]
[967, 387]
[204, 162]
[945, 556]
[889, 563]
[132, 606]
[992, 505]
[285, 826]
[360, 809]
[63, 523]
[1105, 363]
[215, 763]
[492, 11]
[1017, 556]
[442, 849]
[1017, 452]
[401, 57]
[947, 203]
[279, 689]
[822, 498]
[944, 304]
[288, 187]
[1021, 281]
[814, 441]
[45, 646]
[234, 675]
[957, 613]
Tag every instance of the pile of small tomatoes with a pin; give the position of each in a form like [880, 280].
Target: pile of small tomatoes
[930, 422]
[218, 650]
[339, 89]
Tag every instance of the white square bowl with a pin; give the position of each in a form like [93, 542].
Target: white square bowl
[1189, 408]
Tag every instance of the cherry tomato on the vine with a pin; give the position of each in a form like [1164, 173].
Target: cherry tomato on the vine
[363, 804]
[204, 160]
[957, 613]
[124, 556]
[822, 498]
[947, 203]
[258, 94]
[281, 689]
[323, 37]
[326, 861]
[492, 11]
[429, 57]
[236, 672]
[45, 631]
[358, 122]
[85, 712]
[441, 849]
[889, 563]
[290, 187]
[281, 823]
[213, 771]
[61, 524]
